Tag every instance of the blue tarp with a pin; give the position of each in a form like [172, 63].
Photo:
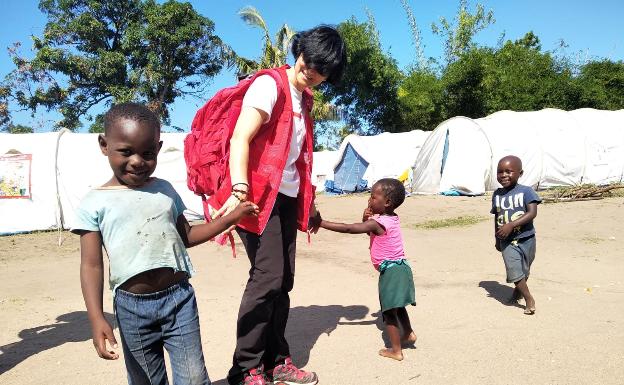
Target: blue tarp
[331, 188]
[349, 172]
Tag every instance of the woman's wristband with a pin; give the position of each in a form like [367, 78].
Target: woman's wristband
[240, 184]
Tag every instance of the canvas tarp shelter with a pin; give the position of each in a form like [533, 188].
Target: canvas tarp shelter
[58, 182]
[557, 148]
[323, 167]
[374, 157]
[64, 166]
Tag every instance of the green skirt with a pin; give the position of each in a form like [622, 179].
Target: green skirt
[396, 287]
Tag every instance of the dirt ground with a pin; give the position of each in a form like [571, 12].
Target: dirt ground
[466, 332]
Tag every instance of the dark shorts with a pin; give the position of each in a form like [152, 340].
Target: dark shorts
[518, 256]
[396, 287]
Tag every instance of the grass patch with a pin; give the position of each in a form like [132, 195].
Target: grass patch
[461, 221]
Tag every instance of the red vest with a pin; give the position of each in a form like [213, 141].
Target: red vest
[268, 152]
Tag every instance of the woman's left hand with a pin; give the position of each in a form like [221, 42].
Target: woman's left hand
[314, 222]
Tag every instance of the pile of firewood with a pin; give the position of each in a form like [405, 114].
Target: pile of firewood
[579, 193]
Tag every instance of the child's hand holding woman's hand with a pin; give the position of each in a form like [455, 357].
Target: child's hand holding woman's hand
[314, 222]
[245, 209]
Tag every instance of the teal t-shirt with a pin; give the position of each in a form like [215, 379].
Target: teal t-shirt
[138, 227]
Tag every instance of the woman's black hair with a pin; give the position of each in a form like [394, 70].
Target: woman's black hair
[132, 111]
[392, 189]
[323, 50]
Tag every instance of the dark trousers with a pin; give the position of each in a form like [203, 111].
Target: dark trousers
[263, 311]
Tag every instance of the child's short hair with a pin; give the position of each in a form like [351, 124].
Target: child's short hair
[132, 111]
[393, 189]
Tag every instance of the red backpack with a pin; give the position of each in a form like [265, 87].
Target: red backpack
[207, 146]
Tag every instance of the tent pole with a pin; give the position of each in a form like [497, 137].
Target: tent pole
[59, 219]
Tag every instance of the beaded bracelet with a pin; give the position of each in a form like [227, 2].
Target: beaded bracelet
[243, 183]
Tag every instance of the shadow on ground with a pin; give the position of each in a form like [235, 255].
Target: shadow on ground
[70, 327]
[501, 293]
[307, 323]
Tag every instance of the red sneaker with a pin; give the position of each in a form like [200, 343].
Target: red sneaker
[254, 377]
[288, 374]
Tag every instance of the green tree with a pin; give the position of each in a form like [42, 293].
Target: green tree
[462, 83]
[368, 92]
[459, 34]
[98, 125]
[19, 129]
[274, 54]
[420, 61]
[602, 85]
[5, 114]
[96, 52]
[517, 76]
[520, 77]
[421, 100]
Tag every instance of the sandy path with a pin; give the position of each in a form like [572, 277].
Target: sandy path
[466, 334]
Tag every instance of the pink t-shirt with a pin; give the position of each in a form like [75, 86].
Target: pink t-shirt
[389, 246]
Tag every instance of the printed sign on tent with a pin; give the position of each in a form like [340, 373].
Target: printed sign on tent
[15, 176]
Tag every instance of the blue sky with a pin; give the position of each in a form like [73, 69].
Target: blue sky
[591, 29]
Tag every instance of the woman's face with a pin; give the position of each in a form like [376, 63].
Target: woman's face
[306, 77]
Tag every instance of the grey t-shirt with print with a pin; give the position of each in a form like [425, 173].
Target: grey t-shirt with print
[509, 205]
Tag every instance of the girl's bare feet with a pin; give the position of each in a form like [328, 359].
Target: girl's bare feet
[409, 339]
[390, 354]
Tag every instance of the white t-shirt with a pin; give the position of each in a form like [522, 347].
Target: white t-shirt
[262, 94]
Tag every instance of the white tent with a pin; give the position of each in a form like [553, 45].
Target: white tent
[37, 208]
[64, 167]
[557, 148]
[374, 157]
[323, 167]
[58, 168]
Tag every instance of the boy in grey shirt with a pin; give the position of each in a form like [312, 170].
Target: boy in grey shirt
[514, 207]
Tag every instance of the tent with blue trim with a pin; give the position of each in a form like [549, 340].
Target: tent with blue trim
[363, 160]
[557, 148]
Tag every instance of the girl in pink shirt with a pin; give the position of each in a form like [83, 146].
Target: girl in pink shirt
[396, 283]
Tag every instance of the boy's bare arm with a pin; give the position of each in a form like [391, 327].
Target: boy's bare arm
[197, 234]
[496, 240]
[370, 226]
[92, 284]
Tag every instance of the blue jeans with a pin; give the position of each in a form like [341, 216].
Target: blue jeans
[165, 319]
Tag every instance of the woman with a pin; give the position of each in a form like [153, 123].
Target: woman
[270, 164]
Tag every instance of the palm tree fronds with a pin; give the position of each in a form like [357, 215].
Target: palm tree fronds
[282, 40]
[252, 17]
